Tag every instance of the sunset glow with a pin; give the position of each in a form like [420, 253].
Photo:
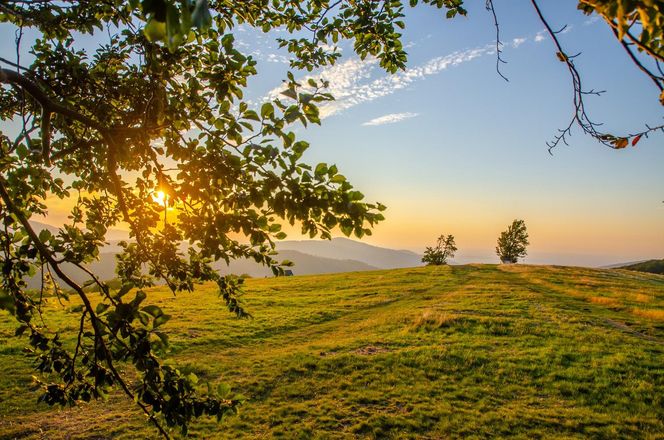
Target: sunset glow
[161, 198]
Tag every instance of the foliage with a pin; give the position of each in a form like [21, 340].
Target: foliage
[445, 248]
[152, 124]
[627, 16]
[512, 242]
[396, 354]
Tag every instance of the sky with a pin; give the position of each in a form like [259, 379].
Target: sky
[452, 148]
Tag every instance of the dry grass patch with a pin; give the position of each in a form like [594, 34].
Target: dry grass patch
[643, 298]
[434, 319]
[605, 301]
[657, 315]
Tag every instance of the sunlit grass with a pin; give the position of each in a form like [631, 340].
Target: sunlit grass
[435, 352]
[611, 302]
[650, 313]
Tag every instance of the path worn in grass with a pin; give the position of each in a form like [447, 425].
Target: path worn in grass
[436, 352]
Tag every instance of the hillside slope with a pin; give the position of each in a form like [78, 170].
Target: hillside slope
[432, 352]
[651, 266]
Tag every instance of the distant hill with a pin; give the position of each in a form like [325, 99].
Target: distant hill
[113, 235]
[343, 248]
[651, 266]
[305, 264]
[104, 269]
[621, 265]
[309, 257]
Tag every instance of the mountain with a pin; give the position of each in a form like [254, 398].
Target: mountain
[112, 235]
[103, 268]
[309, 257]
[343, 248]
[304, 264]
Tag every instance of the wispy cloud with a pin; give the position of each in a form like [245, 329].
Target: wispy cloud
[390, 119]
[592, 20]
[539, 37]
[518, 42]
[353, 82]
[277, 58]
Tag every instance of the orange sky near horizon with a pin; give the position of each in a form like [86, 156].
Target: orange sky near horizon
[561, 227]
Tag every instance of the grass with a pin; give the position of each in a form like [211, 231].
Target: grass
[435, 352]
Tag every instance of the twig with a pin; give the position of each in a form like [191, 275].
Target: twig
[499, 44]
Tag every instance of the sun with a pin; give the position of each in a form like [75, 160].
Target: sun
[160, 198]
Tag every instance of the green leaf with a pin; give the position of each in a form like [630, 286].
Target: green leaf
[45, 235]
[101, 308]
[153, 310]
[223, 390]
[252, 115]
[173, 29]
[321, 169]
[124, 289]
[267, 110]
[185, 17]
[201, 17]
[155, 30]
[291, 93]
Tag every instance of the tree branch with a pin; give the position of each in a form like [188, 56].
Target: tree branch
[656, 79]
[49, 105]
[48, 256]
[499, 44]
[12, 77]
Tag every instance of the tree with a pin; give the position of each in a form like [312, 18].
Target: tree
[156, 109]
[437, 256]
[512, 242]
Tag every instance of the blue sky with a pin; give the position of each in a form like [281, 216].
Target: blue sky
[450, 147]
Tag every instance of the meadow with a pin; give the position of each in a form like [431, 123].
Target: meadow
[432, 352]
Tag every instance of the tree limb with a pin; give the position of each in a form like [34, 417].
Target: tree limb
[96, 322]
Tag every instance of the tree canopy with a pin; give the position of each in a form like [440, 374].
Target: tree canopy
[154, 121]
[513, 242]
[438, 255]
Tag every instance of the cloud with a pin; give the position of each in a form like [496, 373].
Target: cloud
[518, 42]
[390, 119]
[277, 58]
[592, 20]
[353, 82]
[539, 37]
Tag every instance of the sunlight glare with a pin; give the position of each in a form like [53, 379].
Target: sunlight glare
[160, 198]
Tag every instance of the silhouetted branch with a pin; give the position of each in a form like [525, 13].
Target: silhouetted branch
[499, 44]
[658, 80]
[580, 116]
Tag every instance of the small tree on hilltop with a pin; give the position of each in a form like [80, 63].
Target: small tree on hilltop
[512, 243]
[438, 255]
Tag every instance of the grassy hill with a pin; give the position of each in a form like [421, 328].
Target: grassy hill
[652, 266]
[431, 352]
